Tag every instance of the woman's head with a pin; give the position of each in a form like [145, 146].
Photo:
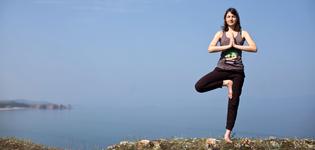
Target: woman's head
[232, 19]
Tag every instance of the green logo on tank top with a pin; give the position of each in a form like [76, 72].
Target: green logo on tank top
[231, 55]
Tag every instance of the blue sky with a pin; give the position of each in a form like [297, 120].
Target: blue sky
[148, 51]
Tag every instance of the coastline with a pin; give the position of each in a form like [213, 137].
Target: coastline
[13, 108]
[9, 105]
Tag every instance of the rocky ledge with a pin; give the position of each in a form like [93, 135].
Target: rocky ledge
[216, 144]
[11, 143]
[28, 104]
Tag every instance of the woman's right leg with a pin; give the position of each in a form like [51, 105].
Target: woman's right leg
[211, 81]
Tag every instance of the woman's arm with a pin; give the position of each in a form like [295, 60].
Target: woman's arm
[251, 47]
[213, 45]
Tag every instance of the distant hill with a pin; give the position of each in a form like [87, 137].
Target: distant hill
[30, 104]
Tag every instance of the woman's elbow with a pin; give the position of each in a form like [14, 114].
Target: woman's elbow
[210, 49]
[254, 49]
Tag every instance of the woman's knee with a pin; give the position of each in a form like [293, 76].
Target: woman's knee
[199, 88]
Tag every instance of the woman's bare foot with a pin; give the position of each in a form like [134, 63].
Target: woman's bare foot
[229, 85]
[227, 136]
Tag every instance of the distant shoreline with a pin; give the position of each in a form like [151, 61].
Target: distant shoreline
[13, 108]
[10, 105]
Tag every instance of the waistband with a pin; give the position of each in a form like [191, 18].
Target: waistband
[239, 71]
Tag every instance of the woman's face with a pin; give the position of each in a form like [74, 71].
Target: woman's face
[230, 19]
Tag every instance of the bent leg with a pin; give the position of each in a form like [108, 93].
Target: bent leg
[238, 80]
[211, 81]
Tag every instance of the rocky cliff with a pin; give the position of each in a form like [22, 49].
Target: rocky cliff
[28, 104]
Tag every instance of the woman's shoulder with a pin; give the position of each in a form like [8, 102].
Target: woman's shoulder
[219, 33]
[244, 33]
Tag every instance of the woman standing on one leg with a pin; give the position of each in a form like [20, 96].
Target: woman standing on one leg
[230, 69]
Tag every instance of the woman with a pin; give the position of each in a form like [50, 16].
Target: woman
[230, 69]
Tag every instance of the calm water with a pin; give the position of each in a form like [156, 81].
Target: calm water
[98, 126]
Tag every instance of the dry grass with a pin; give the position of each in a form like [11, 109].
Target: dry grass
[11, 143]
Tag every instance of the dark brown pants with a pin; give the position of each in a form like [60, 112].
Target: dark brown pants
[215, 79]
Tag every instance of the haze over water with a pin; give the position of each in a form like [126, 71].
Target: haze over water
[129, 69]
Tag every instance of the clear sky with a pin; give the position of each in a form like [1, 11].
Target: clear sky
[149, 51]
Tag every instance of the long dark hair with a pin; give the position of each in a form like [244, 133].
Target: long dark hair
[238, 21]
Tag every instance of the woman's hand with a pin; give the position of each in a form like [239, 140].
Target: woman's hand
[251, 47]
[232, 40]
[212, 48]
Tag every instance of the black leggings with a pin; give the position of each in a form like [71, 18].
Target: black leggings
[215, 79]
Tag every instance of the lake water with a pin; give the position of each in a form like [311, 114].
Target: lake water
[98, 126]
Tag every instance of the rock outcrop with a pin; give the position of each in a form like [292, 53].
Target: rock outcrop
[216, 144]
[26, 104]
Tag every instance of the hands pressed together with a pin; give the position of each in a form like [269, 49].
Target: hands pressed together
[251, 47]
[232, 39]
